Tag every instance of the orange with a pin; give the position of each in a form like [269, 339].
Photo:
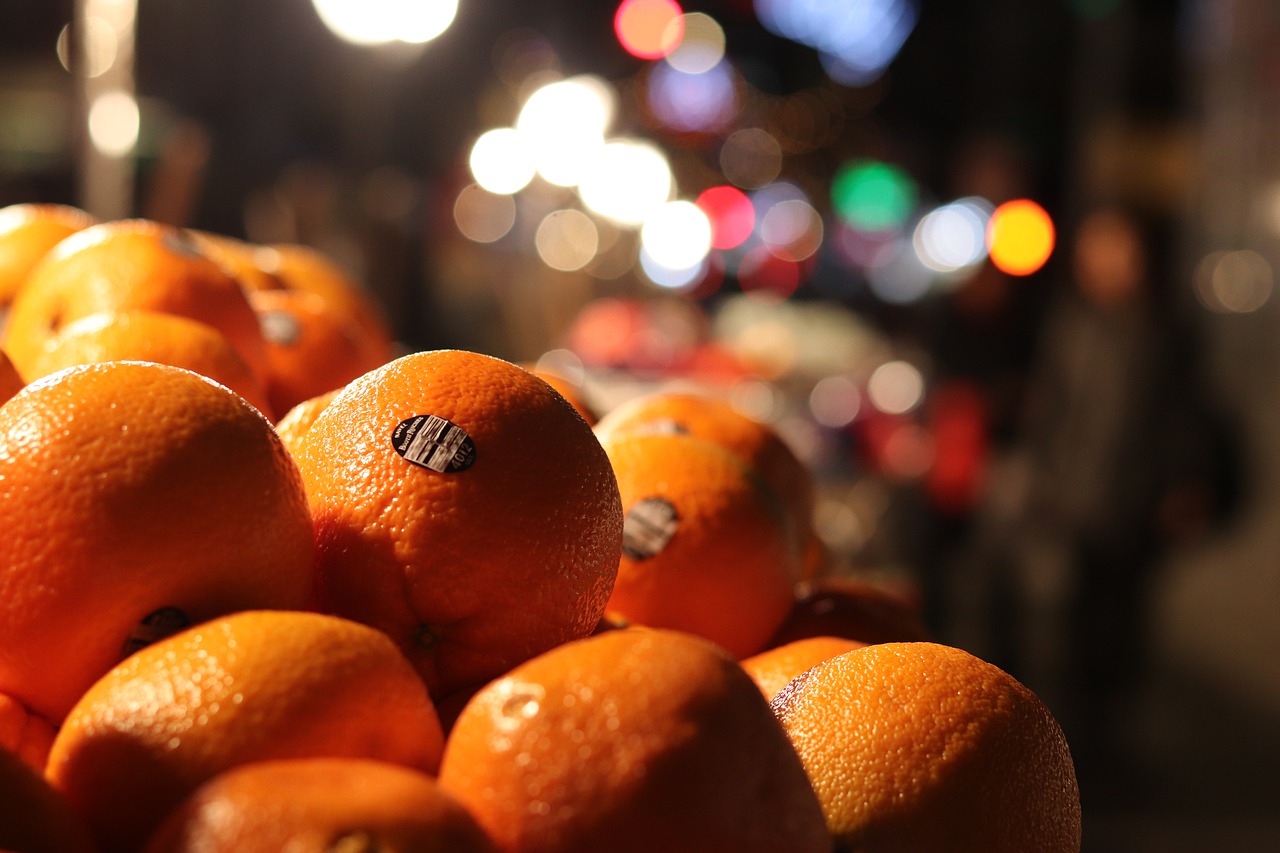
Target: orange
[567, 388]
[151, 336]
[137, 498]
[24, 734]
[34, 818]
[922, 747]
[27, 233]
[236, 257]
[298, 420]
[704, 550]
[311, 349]
[130, 265]
[303, 268]
[10, 381]
[850, 608]
[462, 506]
[631, 740]
[320, 805]
[715, 420]
[774, 668]
[251, 686]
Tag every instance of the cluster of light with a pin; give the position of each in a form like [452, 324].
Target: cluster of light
[856, 39]
[500, 161]
[677, 236]
[952, 237]
[649, 29]
[627, 181]
[1020, 237]
[562, 127]
[370, 22]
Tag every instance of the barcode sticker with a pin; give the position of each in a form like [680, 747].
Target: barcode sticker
[647, 528]
[434, 443]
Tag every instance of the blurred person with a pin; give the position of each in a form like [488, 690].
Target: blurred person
[1120, 457]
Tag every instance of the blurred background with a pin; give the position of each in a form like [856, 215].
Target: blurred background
[1000, 272]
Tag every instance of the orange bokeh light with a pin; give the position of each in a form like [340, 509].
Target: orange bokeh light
[1020, 237]
[649, 29]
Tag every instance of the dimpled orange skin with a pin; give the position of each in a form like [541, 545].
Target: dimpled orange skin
[472, 571]
[125, 488]
[251, 686]
[631, 740]
[11, 381]
[758, 444]
[151, 336]
[726, 572]
[34, 818]
[27, 233]
[317, 805]
[124, 265]
[774, 668]
[299, 419]
[920, 747]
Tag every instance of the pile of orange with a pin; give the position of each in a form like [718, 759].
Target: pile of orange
[265, 585]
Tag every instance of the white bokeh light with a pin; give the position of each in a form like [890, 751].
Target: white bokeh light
[627, 182]
[114, 122]
[369, 22]
[564, 125]
[677, 235]
[953, 236]
[895, 388]
[500, 161]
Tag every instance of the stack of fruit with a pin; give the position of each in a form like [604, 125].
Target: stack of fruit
[264, 586]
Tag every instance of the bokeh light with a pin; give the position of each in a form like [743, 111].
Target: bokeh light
[872, 196]
[750, 157]
[856, 41]
[702, 46]
[483, 216]
[705, 101]
[763, 276]
[898, 277]
[792, 229]
[627, 182]
[895, 387]
[563, 125]
[370, 22]
[677, 236]
[566, 240]
[649, 29]
[98, 51]
[1238, 282]
[673, 278]
[834, 401]
[114, 123]
[732, 215]
[1020, 237]
[953, 236]
[500, 161]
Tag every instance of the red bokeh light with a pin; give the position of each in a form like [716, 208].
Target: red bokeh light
[731, 213]
[649, 29]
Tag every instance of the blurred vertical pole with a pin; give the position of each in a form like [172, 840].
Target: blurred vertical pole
[103, 44]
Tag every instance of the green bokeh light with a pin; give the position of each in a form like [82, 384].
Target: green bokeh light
[873, 196]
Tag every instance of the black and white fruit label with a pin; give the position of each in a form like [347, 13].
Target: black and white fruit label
[647, 528]
[280, 327]
[434, 443]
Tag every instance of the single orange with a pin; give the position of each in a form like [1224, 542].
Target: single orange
[320, 805]
[151, 336]
[34, 818]
[298, 420]
[716, 420]
[299, 267]
[311, 348]
[130, 265]
[27, 233]
[851, 608]
[24, 734]
[137, 498]
[922, 747]
[252, 686]
[631, 740]
[463, 507]
[10, 380]
[704, 549]
[774, 668]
